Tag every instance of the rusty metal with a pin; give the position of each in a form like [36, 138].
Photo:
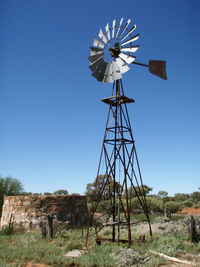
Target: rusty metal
[110, 240]
[156, 67]
[119, 149]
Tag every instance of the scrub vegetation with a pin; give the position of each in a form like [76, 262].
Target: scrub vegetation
[18, 249]
[170, 234]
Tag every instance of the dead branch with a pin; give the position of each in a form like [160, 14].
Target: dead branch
[172, 258]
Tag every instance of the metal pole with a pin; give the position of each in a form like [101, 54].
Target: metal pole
[140, 64]
[125, 178]
[115, 153]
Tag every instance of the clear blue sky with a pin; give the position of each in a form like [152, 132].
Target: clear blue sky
[51, 118]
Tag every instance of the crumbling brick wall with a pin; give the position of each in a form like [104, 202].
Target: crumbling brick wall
[29, 211]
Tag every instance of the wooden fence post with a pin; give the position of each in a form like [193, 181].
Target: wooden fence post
[193, 232]
[50, 225]
[44, 229]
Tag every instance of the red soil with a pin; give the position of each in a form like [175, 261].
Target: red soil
[191, 211]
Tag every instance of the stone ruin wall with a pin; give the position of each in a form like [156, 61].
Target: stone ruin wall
[28, 211]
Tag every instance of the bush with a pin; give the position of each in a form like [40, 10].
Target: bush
[197, 206]
[187, 203]
[135, 204]
[105, 207]
[8, 230]
[153, 204]
[173, 206]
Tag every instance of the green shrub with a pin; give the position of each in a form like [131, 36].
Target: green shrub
[154, 205]
[105, 206]
[187, 203]
[197, 206]
[7, 231]
[173, 206]
[135, 204]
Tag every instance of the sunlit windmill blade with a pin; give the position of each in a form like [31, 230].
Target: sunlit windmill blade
[119, 26]
[128, 22]
[102, 36]
[131, 40]
[130, 49]
[98, 43]
[122, 65]
[129, 33]
[113, 28]
[116, 73]
[107, 31]
[127, 58]
[96, 51]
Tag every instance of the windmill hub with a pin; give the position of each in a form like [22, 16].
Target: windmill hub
[115, 51]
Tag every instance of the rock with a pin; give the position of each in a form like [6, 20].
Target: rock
[74, 253]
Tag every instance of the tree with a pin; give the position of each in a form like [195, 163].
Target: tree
[181, 197]
[60, 192]
[93, 189]
[9, 186]
[139, 190]
[162, 193]
[173, 206]
[26, 193]
[187, 203]
[196, 196]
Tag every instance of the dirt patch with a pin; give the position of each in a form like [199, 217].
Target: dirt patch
[191, 211]
[30, 264]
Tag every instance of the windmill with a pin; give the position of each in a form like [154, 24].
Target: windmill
[110, 56]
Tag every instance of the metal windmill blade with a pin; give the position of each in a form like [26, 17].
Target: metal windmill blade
[96, 51]
[108, 31]
[128, 22]
[113, 28]
[119, 27]
[130, 40]
[98, 43]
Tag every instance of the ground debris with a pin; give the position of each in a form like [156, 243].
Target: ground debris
[30, 264]
[128, 257]
[74, 253]
[173, 259]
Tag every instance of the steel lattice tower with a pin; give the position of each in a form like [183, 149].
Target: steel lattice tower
[120, 163]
